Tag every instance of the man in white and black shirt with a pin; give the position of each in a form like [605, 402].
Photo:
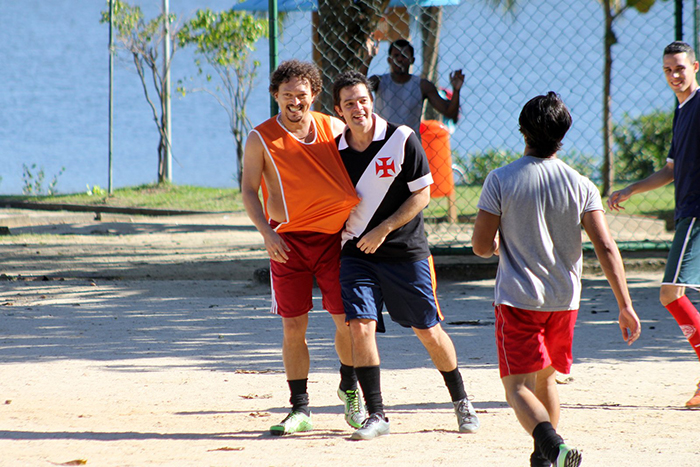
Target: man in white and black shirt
[385, 260]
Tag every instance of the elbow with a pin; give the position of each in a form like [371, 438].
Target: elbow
[481, 250]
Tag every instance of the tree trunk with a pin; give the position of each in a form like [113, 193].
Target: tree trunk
[430, 22]
[343, 31]
[608, 156]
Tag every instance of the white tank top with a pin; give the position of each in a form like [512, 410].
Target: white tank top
[400, 103]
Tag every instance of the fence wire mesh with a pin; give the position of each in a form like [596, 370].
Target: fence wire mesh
[509, 55]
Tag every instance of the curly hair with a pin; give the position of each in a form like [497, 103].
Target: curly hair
[296, 69]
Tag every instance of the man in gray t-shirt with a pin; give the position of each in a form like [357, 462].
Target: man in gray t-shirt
[538, 204]
[543, 231]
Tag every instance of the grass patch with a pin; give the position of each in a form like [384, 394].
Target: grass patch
[153, 196]
[658, 204]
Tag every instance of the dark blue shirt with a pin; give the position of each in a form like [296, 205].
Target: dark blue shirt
[685, 153]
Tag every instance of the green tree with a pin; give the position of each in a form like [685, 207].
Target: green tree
[143, 40]
[613, 10]
[226, 41]
[642, 144]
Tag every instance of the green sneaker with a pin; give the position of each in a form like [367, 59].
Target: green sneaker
[355, 412]
[568, 456]
[292, 423]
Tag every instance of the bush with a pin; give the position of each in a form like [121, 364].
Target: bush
[481, 164]
[585, 164]
[642, 144]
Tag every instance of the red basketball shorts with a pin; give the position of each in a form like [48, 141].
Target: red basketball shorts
[529, 341]
[312, 254]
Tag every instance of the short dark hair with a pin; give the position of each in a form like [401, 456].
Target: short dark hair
[296, 69]
[679, 47]
[402, 44]
[544, 122]
[348, 79]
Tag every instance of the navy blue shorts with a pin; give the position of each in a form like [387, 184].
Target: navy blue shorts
[407, 289]
[683, 265]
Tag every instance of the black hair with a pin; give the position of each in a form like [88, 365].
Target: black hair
[348, 79]
[402, 44]
[544, 122]
[679, 47]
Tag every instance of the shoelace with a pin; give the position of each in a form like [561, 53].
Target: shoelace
[353, 399]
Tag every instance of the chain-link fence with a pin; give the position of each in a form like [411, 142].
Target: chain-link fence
[508, 55]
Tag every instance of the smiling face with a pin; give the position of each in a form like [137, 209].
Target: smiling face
[355, 107]
[680, 74]
[294, 98]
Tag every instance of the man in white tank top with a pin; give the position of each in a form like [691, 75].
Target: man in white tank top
[399, 95]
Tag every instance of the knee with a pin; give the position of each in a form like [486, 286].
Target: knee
[669, 294]
[294, 329]
[432, 335]
[361, 329]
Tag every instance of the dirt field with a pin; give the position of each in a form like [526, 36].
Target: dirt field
[136, 342]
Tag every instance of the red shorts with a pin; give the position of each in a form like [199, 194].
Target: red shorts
[311, 254]
[529, 341]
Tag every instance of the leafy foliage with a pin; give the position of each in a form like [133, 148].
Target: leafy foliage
[481, 164]
[642, 144]
[226, 41]
[143, 40]
[33, 180]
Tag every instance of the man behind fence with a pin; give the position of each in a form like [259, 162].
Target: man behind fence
[538, 205]
[400, 95]
[385, 258]
[682, 167]
[307, 195]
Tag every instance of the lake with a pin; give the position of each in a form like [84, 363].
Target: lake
[54, 77]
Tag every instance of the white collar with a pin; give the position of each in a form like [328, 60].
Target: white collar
[690, 97]
[380, 128]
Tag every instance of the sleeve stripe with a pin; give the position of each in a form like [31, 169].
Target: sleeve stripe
[425, 180]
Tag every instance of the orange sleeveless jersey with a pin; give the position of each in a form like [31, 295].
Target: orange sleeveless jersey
[316, 189]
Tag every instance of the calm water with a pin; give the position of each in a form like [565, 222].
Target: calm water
[54, 86]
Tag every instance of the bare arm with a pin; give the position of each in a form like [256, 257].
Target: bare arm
[609, 256]
[484, 238]
[406, 212]
[449, 108]
[374, 81]
[660, 178]
[253, 165]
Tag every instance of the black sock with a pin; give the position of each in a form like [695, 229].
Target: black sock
[548, 440]
[537, 459]
[369, 379]
[453, 381]
[300, 398]
[348, 379]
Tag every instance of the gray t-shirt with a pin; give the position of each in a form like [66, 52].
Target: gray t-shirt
[541, 203]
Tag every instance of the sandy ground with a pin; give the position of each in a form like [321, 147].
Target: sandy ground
[149, 344]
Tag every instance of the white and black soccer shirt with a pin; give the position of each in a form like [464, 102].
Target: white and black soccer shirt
[385, 174]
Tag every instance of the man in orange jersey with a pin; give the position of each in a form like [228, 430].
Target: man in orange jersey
[307, 197]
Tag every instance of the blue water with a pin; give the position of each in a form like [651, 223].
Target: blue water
[54, 86]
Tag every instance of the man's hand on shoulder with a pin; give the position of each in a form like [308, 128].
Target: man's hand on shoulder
[337, 126]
